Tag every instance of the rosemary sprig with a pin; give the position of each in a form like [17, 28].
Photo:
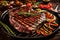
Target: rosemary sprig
[26, 14]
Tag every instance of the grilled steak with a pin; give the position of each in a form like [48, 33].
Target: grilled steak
[22, 23]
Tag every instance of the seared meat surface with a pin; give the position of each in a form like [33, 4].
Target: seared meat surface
[24, 24]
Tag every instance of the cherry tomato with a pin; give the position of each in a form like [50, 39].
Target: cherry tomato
[45, 6]
[41, 6]
[29, 4]
[50, 4]
[48, 7]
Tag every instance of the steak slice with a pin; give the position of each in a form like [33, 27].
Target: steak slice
[24, 24]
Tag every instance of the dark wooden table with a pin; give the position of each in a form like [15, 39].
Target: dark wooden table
[4, 36]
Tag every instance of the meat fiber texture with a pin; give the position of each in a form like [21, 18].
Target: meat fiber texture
[22, 24]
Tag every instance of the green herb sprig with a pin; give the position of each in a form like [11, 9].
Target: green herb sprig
[10, 32]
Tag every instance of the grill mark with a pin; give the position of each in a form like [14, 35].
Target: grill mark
[31, 25]
[16, 23]
[27, 26]
[25, 23]
[36, 23]
[40, 20]
[20, 27]
[30, 21]
[48, 26]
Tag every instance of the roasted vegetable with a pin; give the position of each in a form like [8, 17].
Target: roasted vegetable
[43, 33]
[4, 3]
[41, 11]
[7, 29]
[48, 26]
[46, 29]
